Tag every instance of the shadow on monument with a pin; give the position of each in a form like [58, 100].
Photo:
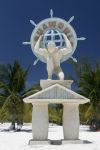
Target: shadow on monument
[60, 142]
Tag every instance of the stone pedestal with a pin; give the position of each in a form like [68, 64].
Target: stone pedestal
[55, 91]
[40, 121]
[47, 83]
[70, 121]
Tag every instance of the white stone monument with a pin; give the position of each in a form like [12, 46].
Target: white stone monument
[54, 41]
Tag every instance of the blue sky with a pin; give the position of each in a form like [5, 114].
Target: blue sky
[16, 28]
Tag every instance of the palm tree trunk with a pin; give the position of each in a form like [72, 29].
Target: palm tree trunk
[12, 126]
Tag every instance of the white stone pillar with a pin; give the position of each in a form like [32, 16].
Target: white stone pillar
[40, 121]
[70, 121]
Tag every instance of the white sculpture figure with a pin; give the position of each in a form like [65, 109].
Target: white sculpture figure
[53, 56]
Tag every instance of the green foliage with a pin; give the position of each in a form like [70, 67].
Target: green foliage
[55, 113]
[83, 109]
[89, 86]
[34, 89]
[27, 113]
[12, 88]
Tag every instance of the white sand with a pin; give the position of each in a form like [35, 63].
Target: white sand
[10, 140]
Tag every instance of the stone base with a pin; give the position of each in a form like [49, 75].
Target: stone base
[73, 142]
[47, 83]
[33, 142]
[58, 142]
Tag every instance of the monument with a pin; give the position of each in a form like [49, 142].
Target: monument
[54, 41]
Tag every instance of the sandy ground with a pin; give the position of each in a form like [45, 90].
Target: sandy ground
[10, 140]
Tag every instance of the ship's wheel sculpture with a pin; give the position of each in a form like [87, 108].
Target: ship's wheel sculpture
[53, 29]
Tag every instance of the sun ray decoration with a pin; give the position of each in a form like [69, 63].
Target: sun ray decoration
[71, 19]
[33, 23]
[51, 13]
[81, 39]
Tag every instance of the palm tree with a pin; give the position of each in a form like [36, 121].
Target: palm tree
[12, 88]
[34, 89]
[89, 85]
